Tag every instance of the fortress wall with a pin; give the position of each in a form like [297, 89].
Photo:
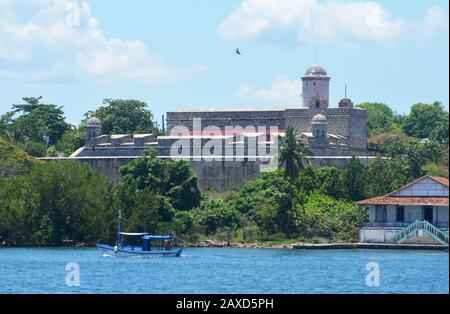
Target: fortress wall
[224, 176]
[338, 119]
[222, 119]
[111, 151]
[348, 122]
[358, 130]
[219, 175]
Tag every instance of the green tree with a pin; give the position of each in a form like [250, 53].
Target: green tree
[125, 116]
[214, 214]
[307, 180]
[354, 179]
[435, 169]
[269, 188]
[424, 119]
[53, 203]
[71, 141]
[380, 118]
[37, 120]
[14, 161]
[292, 153]
[332, 182]
[385, 175]
[173, 179]
[321, 215]
[6, 126]
[440, 132]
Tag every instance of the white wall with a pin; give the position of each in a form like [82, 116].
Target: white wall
[309, 90]
[412, 213]
[442, 213]
[378, 235]
[425, 187]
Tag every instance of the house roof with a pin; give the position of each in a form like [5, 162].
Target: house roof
[390, 199]
[441, 180]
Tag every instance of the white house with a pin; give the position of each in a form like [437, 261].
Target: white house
[415, 213]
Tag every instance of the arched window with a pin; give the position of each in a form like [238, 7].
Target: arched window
[317, 104]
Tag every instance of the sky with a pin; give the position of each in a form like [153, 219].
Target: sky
[178, 54]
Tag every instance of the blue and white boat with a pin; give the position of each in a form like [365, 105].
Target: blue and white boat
[151, 245]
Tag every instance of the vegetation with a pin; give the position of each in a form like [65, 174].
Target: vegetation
[27, 125]
[292, 153]
[14, 161]
[120, 116]
[53, 203]
[381, 118]
[58, 202]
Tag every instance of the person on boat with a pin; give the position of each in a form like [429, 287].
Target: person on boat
[168, 246]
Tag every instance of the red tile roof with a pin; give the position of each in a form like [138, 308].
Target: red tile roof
[391, 200]
[388, 199]
[441, 180]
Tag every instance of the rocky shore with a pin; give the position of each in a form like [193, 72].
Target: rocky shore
[256, 245]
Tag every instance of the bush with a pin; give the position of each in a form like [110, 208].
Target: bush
[323, 216]
[55, 202]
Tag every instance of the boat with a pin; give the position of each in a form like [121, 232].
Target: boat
[150, 245]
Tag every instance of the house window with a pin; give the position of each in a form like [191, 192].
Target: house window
[380, 213]
[400, 216]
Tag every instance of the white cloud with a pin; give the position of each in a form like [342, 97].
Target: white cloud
[282, 91]
[435, 21]
[311, 22]
[61, 40]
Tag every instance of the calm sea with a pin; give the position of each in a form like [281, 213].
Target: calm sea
[226, 271]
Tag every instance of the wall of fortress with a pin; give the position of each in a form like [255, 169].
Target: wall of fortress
[219, 175]
[348, 122]
[224, 118]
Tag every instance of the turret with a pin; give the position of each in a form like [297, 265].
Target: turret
[316, 92]
[93, 130]
[319, 126]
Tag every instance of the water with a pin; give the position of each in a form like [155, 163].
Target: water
[225, 271]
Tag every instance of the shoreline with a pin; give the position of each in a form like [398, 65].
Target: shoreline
[296, 246]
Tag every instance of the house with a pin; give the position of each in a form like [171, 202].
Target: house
[416, 213]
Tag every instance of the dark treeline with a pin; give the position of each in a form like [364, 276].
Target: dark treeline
[59, 202]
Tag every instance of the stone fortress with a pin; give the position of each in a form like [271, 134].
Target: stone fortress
[333, 135]
[340, 131]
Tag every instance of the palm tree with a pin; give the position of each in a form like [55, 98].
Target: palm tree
[292, 153]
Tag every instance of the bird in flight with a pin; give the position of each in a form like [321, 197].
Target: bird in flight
[237, 51]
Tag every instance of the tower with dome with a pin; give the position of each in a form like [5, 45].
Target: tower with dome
[316, 88]
[334, 135]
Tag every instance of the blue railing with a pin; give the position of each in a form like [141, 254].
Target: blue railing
[424, 226]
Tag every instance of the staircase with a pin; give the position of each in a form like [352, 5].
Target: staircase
[424, 226]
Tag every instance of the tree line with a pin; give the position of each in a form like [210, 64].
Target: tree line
[55, 203]
[26, 125]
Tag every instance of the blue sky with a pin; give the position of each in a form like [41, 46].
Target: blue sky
[180, 54]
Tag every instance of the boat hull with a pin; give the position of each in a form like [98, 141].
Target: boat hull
[124, 251]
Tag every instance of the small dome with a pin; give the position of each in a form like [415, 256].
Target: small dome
[319, 118]
[94, 122]
[315, 70]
